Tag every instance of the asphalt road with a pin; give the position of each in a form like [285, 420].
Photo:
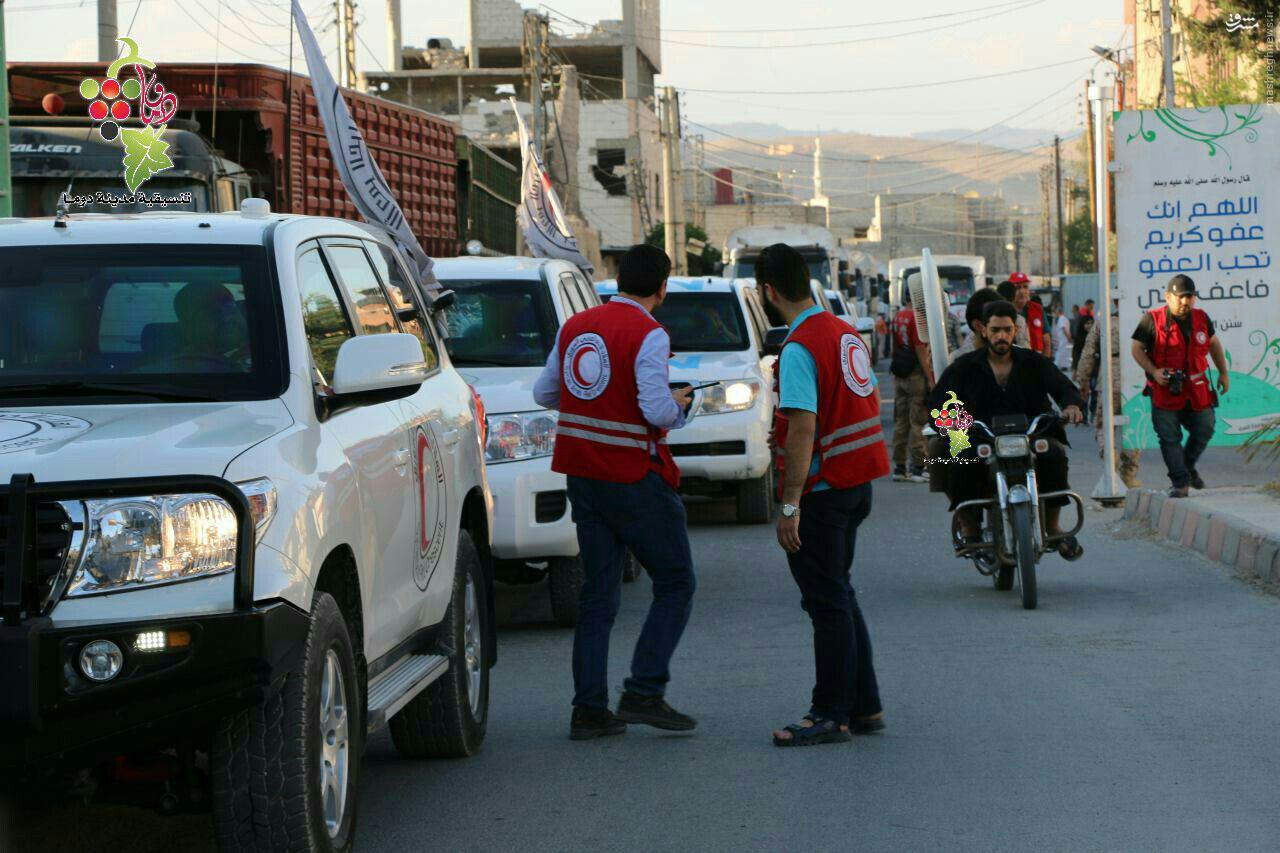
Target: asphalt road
[1131, 711]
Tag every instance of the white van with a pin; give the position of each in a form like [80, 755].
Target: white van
[717, 329]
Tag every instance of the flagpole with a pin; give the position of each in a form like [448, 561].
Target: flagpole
[288, 123]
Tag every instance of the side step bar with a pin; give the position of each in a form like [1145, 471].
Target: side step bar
[394, 688]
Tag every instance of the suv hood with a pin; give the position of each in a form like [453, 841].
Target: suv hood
[709, 366]
[56, 443]
[503, 390]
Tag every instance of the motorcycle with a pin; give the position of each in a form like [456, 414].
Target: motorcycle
[1012, 537]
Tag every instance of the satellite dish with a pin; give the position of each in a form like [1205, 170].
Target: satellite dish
[474, 247]
[930, 306]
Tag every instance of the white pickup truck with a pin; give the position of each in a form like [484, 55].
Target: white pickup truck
[243, 511]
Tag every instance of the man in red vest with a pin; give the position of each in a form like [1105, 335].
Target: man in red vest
[1032, 312]
[607, 374]
[829, 446]
[1173, 345]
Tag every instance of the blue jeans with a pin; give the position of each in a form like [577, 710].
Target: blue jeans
[648, 518]
[1168, 424]
[846, 678]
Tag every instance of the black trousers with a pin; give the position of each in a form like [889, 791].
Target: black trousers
[846, 678]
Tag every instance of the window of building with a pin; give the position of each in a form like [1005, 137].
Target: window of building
[609, 170]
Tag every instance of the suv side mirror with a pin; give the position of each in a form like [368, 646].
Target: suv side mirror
[774, 338]
[378, 368]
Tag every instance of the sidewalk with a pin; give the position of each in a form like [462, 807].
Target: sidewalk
[1235, 525]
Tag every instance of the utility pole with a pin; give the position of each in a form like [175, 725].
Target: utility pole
[346, 12]
[672, 215]
[108, 50]
[1108, 490]
[533, 51]
[395, 59]
[1166, 32]
[6, 183]
[1057, 187]
[1046, 252]
[1093, 207]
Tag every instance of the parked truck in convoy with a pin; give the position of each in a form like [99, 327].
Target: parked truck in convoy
[960, 275]
[816, 245]
[265, 120]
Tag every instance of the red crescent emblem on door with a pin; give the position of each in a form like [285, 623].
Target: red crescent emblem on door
[425, 536]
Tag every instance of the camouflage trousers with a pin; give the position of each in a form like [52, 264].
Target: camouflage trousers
[1126, 460]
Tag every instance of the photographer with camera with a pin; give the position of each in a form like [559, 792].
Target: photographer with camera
[1173, 345]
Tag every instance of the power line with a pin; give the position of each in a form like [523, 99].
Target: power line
[1024, 4]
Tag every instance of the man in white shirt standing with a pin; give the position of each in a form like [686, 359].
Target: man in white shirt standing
[1061, 339]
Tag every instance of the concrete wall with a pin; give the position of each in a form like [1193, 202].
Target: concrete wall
[605, 125]
[723, 219]
[494, 21]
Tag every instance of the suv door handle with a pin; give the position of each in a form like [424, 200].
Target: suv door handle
[402, 459]
[451, 437]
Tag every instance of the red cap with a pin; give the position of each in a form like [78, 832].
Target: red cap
[1019, 278]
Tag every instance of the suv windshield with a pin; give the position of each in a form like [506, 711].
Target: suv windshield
[138, 321]
[703, 322]
[500, 323]
[957, 282]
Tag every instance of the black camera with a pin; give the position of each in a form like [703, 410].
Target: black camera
[1176, 378]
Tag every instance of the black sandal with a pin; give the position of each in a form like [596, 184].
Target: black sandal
[866, 725]
[822, 731]
[1070, 549]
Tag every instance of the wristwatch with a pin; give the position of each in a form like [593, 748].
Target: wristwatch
[790, 510]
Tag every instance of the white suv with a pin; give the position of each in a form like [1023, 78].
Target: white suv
[246, 494]
[502, 327]
[717, 328]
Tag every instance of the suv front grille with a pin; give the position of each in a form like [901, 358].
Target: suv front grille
[53, 538]
[710, 448]
[549, 506]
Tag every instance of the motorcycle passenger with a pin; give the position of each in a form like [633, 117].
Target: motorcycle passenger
[1001, 379]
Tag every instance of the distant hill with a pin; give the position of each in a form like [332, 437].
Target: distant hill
[1005, 137]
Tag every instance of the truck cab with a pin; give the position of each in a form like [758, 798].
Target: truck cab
[50, 156]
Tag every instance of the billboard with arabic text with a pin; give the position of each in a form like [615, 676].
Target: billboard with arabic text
[1198, 193]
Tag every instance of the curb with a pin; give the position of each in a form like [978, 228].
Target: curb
[1221, 537]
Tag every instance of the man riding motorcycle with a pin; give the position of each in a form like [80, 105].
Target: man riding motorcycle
[1001, 379]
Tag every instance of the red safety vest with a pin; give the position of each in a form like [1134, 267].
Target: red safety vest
[848, 442]
[1035, 326]
[1174, 352]
[602, 433]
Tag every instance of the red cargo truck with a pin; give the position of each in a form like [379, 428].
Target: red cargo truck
[280, 141]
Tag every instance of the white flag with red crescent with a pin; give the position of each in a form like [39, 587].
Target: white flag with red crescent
[540, 215]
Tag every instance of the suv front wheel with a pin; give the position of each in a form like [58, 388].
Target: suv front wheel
[448, 719]
[285, 770]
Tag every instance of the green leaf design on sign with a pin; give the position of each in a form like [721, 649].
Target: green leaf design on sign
[959, 441]
[145, 153]
[1209, 127]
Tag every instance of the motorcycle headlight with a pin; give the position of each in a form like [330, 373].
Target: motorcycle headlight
[1011, 445]
[524, 435]
[132, 542]
[733, 395]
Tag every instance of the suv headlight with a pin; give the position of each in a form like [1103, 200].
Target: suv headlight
[1011, 445]
[523, 435]
[131, 542]
[732, 395]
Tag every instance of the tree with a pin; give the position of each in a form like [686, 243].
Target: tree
[1213, 39]
[708, 263]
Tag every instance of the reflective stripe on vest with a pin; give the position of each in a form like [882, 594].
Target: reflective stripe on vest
[619, 426]
[850, 430]
[603, 439]
[854, 445]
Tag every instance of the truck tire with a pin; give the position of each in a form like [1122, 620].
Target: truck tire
[449, 718]
[755, 499]
[278, 783]
[564, 579]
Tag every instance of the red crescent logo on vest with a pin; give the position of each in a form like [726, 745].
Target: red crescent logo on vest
[1201, 338]
[586, 366]
[855, 362]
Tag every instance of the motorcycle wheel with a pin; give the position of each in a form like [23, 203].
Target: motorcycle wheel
[1024, 548]
[1002, 575]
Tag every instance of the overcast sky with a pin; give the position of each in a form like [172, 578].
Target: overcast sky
[1013, 35]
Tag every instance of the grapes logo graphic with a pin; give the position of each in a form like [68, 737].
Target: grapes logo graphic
[111, 103]
[954, 421]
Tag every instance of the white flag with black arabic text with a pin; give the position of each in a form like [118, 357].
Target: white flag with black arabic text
[540, 215]
[360, 174]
